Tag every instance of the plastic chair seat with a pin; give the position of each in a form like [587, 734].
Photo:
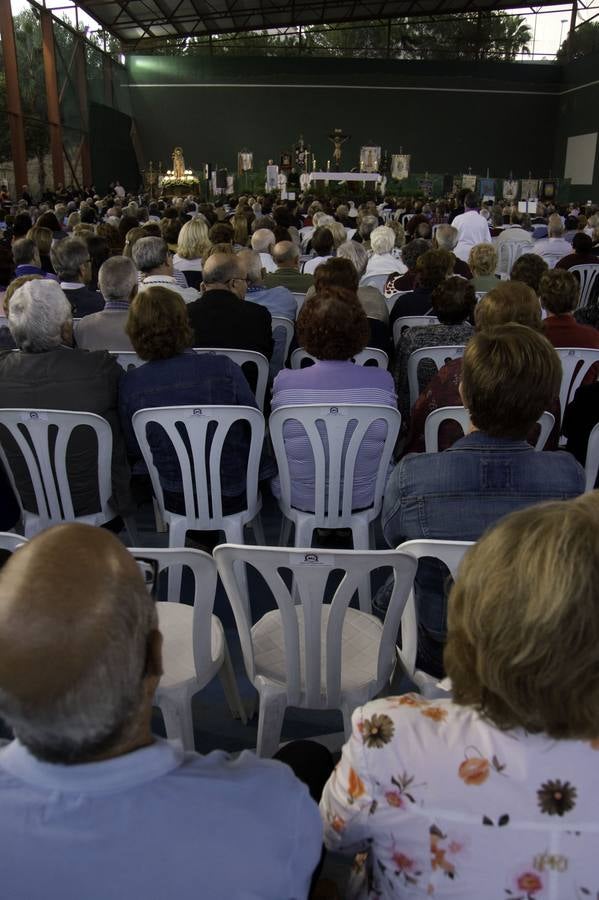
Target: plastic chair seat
[360, 642]
[176, 624]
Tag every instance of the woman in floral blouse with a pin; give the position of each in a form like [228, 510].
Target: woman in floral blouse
[491, 795]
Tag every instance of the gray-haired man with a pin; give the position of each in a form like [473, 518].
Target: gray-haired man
[105, 330]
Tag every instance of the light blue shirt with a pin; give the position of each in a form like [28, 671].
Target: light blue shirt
[155, 824]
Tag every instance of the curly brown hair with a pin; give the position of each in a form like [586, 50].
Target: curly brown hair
[529, 268]
[433, 267]
[332, 324]
[558, 290]
[336, 272]
[454, 300]
[158, 325]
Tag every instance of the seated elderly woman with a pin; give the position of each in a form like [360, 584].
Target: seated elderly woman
[432, 268]
[323, 247]
[333, 327]
[529, 268]
[174, 375]
[370, 297]
[409, 255]
[493, 792]
[483, 264]
[382, 261]
[453, 303]
[510, 301]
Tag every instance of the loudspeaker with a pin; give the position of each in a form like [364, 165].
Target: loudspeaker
[221, 178]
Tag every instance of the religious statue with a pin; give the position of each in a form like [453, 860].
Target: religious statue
[337, 138]
[178, 163]
[302, 154]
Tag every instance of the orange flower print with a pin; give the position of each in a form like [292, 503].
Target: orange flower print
[403, 862]
[394, 798]
[529, 882]
[474, 770]
[409, 700]
[435, 713]
[355, 786]
[337, 824]
[438, 860]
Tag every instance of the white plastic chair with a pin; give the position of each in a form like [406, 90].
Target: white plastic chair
[375, 281]
[591, 466]
[127, 359]
[461, 415]
[508, 252]
[367, 355]
[390, 301]
[552, 259]
[450, 553]
[309, 653]
[439, 356]
[411, 322]
[587, 276]
[45, 456]
[202, 494]
[246, 356]
[333, 468]
[194, 647]
[571, 357]
[406, 218]
[289, 327]
[299, 299]
[11, 541]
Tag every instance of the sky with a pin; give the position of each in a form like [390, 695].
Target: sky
[551, 24]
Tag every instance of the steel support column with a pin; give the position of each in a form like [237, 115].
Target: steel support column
[52, 99]
[81, 81]
[13, 96]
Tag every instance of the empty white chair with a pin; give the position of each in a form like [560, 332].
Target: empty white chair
[11, 541]
[199, 457]
[411, 322]
[450, 553]
[42, 437]
[439, 356]
[309, 653]
[194, 647]
[508, 252]
[334, 469]
[241, 357]
[127, 359]
[280, 322]
[591, 466]
[367, 355]
[587, 276]
[461, 415]
[576, 362]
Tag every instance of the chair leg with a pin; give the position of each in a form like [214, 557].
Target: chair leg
[131, 529]
[176, 538]
[285, 532]
[230, 687]
[161, 526]
[361, 541]
[270, 721]
[258, 530]
[178, 720]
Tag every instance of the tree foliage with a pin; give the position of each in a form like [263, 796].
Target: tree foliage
[583, 41]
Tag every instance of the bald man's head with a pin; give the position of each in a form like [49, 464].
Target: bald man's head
[286, 254]
[75, 621]
[224, 271]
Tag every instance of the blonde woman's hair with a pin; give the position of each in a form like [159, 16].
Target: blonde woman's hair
[483, 259]
[339, 233]
[523, 622]
[42, 237]
[193, 240]
[510, 301]
[240, 229]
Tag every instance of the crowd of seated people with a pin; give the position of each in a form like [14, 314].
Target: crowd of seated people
[178, 283]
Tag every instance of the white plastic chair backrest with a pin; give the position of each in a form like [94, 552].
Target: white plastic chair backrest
[11, 541]
[460, 415]
[411, 322]
[201, 483]
[127, 359]
[552, 259]
[571, 357]
[439, 356]
[203, 569]
[311, 570]
[587, 275]
[333, 470]
[591, 466]
[480, 295]
[45, 456]
[406, 218]
[376, 281]
[245, 356]
[368, 354]
[289, 328]
[299, 299]
[509, 251]
[451, 554]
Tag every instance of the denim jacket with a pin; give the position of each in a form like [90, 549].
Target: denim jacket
[189, 378]
[459, 493]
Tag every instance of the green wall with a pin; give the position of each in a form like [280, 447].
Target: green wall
[578, 113]
[449, 117]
